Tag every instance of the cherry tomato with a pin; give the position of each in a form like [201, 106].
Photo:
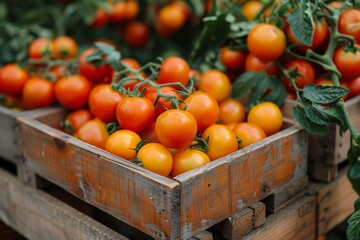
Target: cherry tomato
[188, 159]
[136, 34]
[222, 141]
[171, 18]
[135, 113]
[216, 83]
[123, 143]
[156, 158]
[231, 111]
[354, 87]
[73, 91]
[255, 64]
[38, 93]
[251, 8]
[204, 108]
[320, 35]
[349, 23]
[232, 59]
[124, 11]
[103, 101]
[93, 132]
[174, 69]
[92, 71]
[266, 41]
[12, 79]
[347, 63]
[162, 104]
[64, 47]
[176, 128]
[304, 69]
[75, 120]
[248, 133]
[266, 115]
[100, 18]
[40, 48]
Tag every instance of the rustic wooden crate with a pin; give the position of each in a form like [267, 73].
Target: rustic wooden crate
[164, 208]
[326, 153]
[334, 202]
[37, 215]
[295, 222]
[8, 131]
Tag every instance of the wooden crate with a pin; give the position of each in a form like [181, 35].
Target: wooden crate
[37, 215]
[8, 131]
[326, 153]
[334, 201]
[295, 222]
[164, 208]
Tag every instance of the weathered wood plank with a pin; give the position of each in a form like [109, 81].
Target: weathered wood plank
[296, 222]
[259, 209]
[36, 215]
[8, 233]
[205, 235]
[223, 187]
[126, 191]
[335, 202]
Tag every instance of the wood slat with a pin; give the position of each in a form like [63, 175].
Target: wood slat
[36, 215]
[138, 197]
[335, 202]
[296, 222]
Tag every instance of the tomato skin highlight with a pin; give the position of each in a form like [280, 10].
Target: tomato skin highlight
[216, 83]
[156, 158]
[347, 63]
[222, 141]
[93, 132]
[174, 69]
[176, 128]
[123, 143]
[188, 159]
[38, 93]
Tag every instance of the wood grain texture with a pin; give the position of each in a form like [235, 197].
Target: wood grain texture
[205, 235]
[296, 222]
[259, 209]
[223, 187]
[36, 215]
[8, 129]
[331, 150]
[238, 225]
[138, 197]
[335, 202]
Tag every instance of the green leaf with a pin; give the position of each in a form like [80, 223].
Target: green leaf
[353, 154]
[322, 115]
[324, 94]
[3, 11]
[354, 176]
[300, 116]
[276, 92]
[353, 230]
[301, 23]
[197, 7]
[214, 34]
[243, 83]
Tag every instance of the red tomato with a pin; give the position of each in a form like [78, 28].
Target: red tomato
[174, 69]
[156, 158]
[39, 48]
[92, 71]
[255, 64]
[12, 79]
[93, 132]
[222, 141]
[123, 143]
[100, 18]
[204, 108]
[103, 101]
[231, 111]
[347, 63]
[176, 128]
[124, 11]
[304, 69]
[75, 120]
[162, 105]
[38, 93]
[135, 113]
[349, 23]
[64, 47]
[73, 91]
[188, 159]
[232, 59]
[171, 18]
[354, 87]
[266, 41]
[136, 34]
